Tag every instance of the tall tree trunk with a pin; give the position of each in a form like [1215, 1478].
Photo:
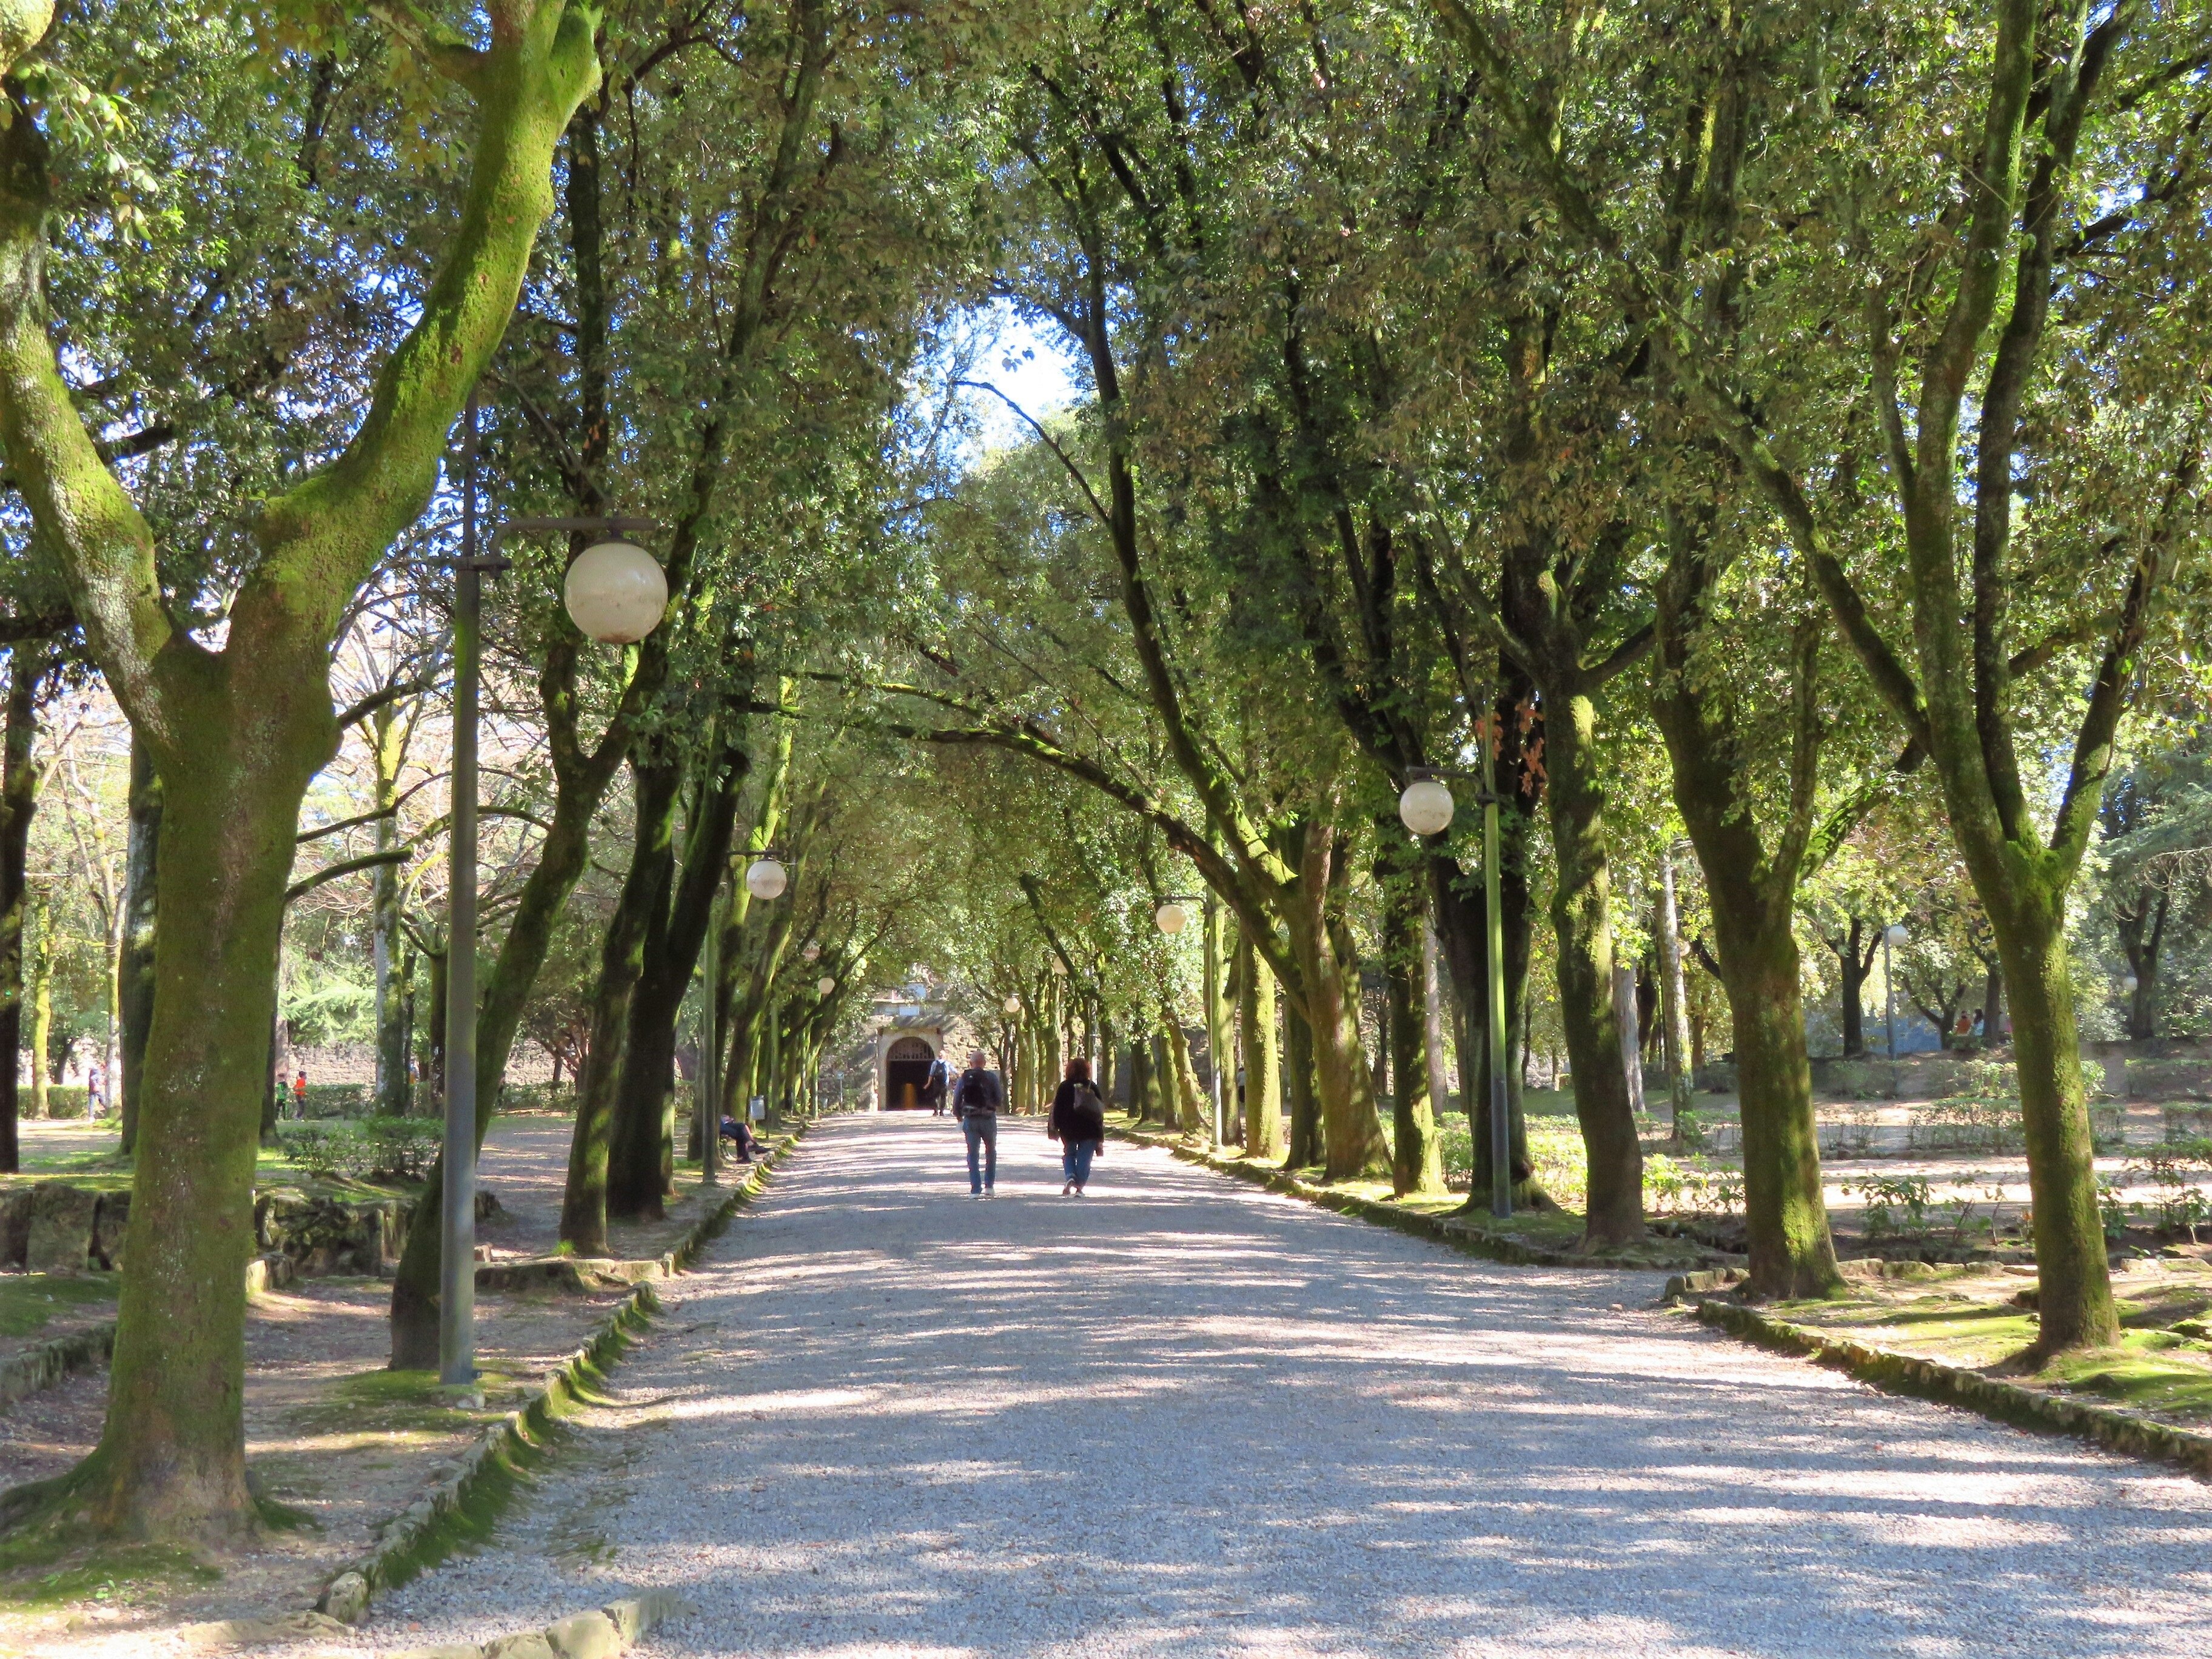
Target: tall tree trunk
[1353, 1147]
[1417, 1164]
[1583, 925]
[42, 1008]
[388, 735]
[1305, 1142]
[19, 802]
[1190, 1101]
[173, 1451]
[1263, 1082]
[584, 1194]
[2141, 928]
[641, 1164]
[1854, 956]
[136, 966]
[2075, 1301]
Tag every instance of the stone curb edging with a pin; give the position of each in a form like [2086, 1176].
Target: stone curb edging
[420, 1534]
[45, 1364]
[611, 1629]
[1456, 1230]
[40, 1366]
[1994, 1397]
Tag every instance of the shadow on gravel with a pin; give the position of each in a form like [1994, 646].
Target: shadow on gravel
[1185, 1416]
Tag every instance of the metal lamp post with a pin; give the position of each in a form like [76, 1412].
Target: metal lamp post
[615, 601]
[1427, 809]
[1891, 935]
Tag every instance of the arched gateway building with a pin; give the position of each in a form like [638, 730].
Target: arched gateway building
[910, 1035]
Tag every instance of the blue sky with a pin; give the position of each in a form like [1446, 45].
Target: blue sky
[1042, 379]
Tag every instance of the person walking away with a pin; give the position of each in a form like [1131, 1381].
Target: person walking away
[934, 1089]
[1077, 1122]
[977, 1098]
[300, 1096]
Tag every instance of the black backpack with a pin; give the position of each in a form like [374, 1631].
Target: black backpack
[972, 1092]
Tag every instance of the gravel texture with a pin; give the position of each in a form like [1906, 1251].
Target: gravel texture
[1184, 1415]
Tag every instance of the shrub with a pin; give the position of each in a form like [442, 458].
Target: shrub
[2181, 1205]
[400, 1148]
[1895, 1205]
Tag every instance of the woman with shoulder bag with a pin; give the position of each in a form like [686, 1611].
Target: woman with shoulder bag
[1077, 1122]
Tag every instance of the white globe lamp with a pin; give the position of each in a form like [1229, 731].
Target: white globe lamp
[1427, 807]
[1171, 918]
[1896, 934]
[2130, 984]
[616, 593]
[1013, 1004]
[765, 879]
[825, 985]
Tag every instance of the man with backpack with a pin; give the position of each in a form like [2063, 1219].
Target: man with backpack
[977, 1098]
[934, 1089]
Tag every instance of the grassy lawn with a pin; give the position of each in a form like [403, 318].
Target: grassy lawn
[27, 1301]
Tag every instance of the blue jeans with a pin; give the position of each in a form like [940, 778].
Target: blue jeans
[1075, 1158]
[982, 1131]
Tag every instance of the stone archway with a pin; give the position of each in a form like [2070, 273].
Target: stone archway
[907, 1060]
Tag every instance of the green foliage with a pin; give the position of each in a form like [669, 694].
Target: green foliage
[385, 1148]
[2181, 1173]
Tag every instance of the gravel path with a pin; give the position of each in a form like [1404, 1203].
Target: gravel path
[1185, 1416]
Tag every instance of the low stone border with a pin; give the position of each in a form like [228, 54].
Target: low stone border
[41, 1366]
[464, 1502]
[601, 1634]
[1459, 1231]
[1932, 1379]
[49, 1362]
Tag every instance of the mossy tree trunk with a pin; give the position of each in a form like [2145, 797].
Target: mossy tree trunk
[1263, 1081]
[645, 1108]
[1304, 1150]
[19, 803]
[1582, 924]
[236, 735]
[1854, 951]
[388, 729]
[656, 781]
[1752, 876]
[1417, 1148]
[1353, 1143]
[135, 974]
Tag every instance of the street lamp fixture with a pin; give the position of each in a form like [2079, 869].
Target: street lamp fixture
[592, 610]
[825, 985]
[1012, 1005]
[1170, 918]
[811, 953]
[615, 591]
[1425, 806]
[766, 877]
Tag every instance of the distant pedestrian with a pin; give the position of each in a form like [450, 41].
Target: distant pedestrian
[95, 1093]
[1077, 1122]
[934, 1086]
[299, 1095]
[977, 1098]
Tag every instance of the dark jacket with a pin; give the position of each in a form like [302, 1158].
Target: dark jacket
[1078, 1114]
[983, 1100]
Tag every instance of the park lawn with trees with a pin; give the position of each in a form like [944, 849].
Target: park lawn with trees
[1772, 438]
